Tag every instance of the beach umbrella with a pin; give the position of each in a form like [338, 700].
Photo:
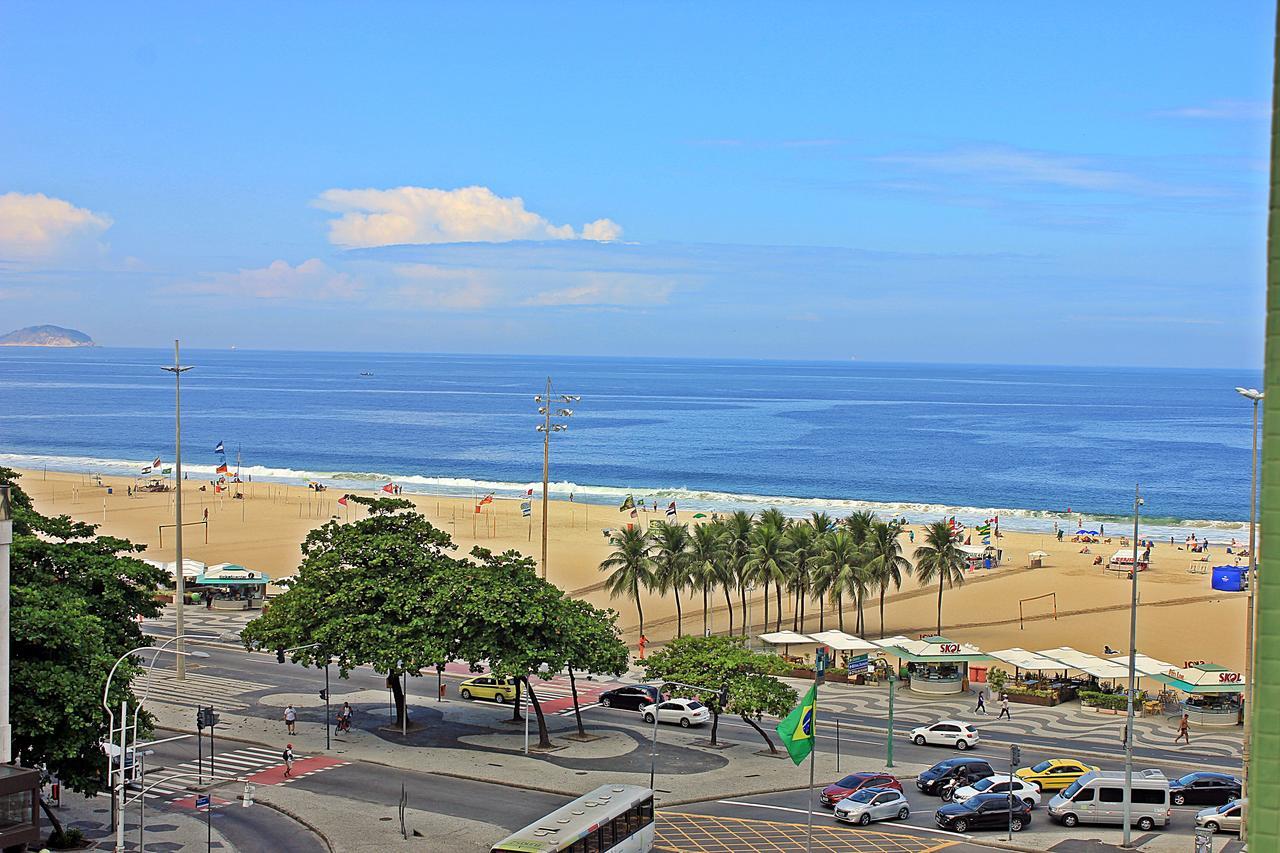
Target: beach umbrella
[699, 515]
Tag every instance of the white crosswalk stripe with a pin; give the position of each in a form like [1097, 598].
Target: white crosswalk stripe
[238, 762]
[198, 689]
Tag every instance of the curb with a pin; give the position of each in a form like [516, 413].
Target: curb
[300, 820]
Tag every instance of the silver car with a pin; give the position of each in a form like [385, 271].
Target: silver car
[1220, 818]
[870, 804]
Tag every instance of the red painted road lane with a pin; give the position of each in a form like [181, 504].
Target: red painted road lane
[301, 767]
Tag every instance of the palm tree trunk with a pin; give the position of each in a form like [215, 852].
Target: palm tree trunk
[704, 610]
[728, 603]
[822, 613]
[882, 590]
[795, 611]
[939, 605]
[742, 592]
[766, 604]
[840, 609]
[679, 615]
[635, 591]
[777, 620]
[803, 594]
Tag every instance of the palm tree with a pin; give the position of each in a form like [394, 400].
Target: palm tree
[939, 558]
[821, 523]
[801, 541]
[859, 523]
[705, 557]
[737, 547]
[631, 566]
[841, 561]
[773, 517]
[887, 565]
[769, 562]
[670, 553]
[822, 578]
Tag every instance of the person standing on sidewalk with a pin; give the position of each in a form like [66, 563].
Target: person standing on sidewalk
[287, 755]
[1004, 708]
[290, 719]
[1184, 731]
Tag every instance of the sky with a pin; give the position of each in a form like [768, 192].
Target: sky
[1002, 183]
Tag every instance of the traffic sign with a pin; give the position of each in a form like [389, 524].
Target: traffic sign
[202, 801]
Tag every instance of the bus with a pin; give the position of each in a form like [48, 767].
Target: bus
[610, 819]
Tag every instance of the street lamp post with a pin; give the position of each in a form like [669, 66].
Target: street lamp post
[1133, 665]
[544, 402]
[1256, 397]
[653, 754]
[177, 370]
[6, 539]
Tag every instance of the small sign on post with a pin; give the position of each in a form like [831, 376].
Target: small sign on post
[248, 795]
[202, 801]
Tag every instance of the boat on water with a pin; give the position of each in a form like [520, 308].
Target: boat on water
[366, 373]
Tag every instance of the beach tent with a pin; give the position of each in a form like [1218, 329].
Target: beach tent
[1231, 578]
[787, 639]
[1203, 678]
[976, 555]
[1143, 665]
[842, 642]
[1100, 668]
[1123, 559]
[1037, 559]
[1023, 659]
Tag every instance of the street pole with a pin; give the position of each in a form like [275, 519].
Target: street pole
[177, 370]
[1133, 655]
[892, 680]
[819, 669]
[546, 473]
[118, 788]
[327, 744]
[6, 539]
[1250, 616]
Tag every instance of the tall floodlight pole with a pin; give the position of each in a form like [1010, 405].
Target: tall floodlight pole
[180, 598]
[545, 402]
[1256, 397]
[1133, 665]
[6, 539]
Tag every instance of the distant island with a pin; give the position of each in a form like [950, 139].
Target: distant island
[46, 336]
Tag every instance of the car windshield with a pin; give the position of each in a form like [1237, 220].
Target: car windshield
[1226, 808]
[1072, 790]
[849, 782]
[1041, 767]
[984, 784]
[968, 728]
[942, 766]
[1186, 780]
[693, 706]
[862, 796]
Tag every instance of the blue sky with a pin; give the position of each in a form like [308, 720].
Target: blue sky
[1081, 184]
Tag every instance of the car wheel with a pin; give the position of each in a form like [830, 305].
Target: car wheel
[904, 813]
[962, 745]
[499, 698]
[466, 694]
[1179, 799]
[865, 819]
[606, 702]
[960, 825]
[1031, 804]
[1212, 827]
[648, 718]
[919, 739]
[1016, 825]
[1146, 824]
[684, 722]
[1069, 820]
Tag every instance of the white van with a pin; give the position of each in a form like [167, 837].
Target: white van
[1098, 797]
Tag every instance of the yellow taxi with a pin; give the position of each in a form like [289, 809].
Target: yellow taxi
[1055, 773]
[487, 687]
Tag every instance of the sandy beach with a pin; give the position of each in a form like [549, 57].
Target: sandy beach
[1181, 618]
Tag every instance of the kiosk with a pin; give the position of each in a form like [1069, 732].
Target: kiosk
[1213, 693]
[936, 666]
[233, 586]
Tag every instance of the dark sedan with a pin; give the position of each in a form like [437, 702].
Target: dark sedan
[1204, 789]
[985, 811]
[837, 791]
[932, 780]
[633, 697]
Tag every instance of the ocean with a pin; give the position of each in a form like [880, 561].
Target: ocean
[920, 440]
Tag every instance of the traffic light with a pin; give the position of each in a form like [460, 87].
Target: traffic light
[1015, 756]
[324, 695]
[724, 696]
[206, 717]
[280, 655]
[201, 720]
[211, 717]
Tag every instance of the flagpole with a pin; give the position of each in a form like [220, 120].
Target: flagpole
[813, 752]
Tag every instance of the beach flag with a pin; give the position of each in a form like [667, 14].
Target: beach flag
[529, 493]
[216, 488]
[634, 514]
[147, 470]
[797, 730]
[221, 469]
[671, 510]
[219, 448]
[342, 501]
[389, 488]
[628, 504]
[167, 471]
[487, 499]
[526, 508]
[156, 464]
[984, 529]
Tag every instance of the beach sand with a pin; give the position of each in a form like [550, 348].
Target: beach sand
[1181, 618]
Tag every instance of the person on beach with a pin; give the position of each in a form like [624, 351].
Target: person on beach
[982, 703]
[287, 755]
[1184, 732]
[1004, 708]
[290, 719]
[911, 536]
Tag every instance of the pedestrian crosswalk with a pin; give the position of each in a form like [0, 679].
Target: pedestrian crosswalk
[174, 783]
[197, 689]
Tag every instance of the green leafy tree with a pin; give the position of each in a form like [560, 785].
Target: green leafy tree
[593, 645]
[705, 566]
[365, 595]
[670, 555]
[76, 598]
[939, 558]
[714, 663]
[887, 565]
[842, 561]
[630, 566]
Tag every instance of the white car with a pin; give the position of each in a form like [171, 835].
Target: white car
[955, 733]
[999, 784]
[686, 712]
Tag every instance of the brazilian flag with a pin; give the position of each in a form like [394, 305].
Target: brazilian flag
[797, 730]
[627, 504]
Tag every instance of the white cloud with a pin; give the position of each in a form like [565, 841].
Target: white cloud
[427, 286]
[371, 217]
[1015, 165]
[1225, 109]
[312, 280]
[34, 226]
[608, 288]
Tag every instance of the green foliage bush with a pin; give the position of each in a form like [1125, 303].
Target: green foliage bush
[1110, 701]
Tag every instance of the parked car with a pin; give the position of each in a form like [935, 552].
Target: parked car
[1099, 797]
[685, 712]
[1054, 774]
[946, 733]
[932, 780]
[633, 697]
[999, 784]
[1220, 818]
[488, 687]
[837, 791]
[870, 804]
[985, 811]
[1204, 788]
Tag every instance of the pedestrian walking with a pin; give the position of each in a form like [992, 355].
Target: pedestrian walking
[1184, 732]
[982, 702]
[287, 755]
[290, 719]
[1004, 707]
[208, 599]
